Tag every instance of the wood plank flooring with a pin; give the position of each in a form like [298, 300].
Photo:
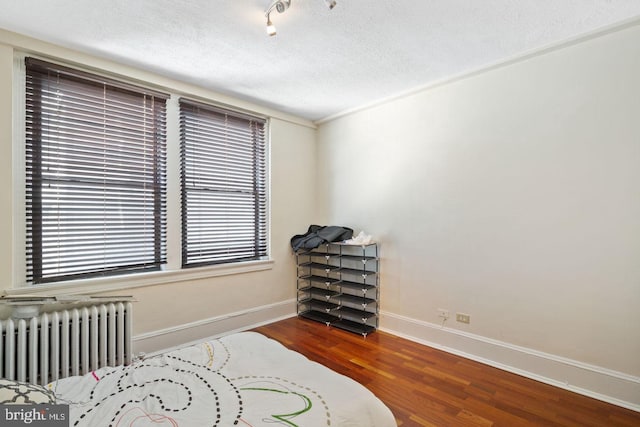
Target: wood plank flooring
[427, 387]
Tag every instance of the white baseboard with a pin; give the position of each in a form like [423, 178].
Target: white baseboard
[178, 336]
[593, 381]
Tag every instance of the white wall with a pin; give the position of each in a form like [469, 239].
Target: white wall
[169, 313]
[512, 195]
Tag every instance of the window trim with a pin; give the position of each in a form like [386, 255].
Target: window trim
[190, 104]
[172, 271]
[140, 280]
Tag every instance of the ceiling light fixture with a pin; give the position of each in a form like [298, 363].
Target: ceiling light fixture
[280, 6]
[271, 29]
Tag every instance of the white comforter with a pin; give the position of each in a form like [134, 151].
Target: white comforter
[242, 379]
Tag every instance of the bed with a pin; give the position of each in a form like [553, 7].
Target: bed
[243, 379]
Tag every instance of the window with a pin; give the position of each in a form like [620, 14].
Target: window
[96, 181]
[96, 175]
[223, 182]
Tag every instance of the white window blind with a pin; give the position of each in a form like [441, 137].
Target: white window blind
[224, 185]
[96, 175]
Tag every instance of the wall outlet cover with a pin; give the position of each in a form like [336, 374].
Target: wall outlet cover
[463, 318]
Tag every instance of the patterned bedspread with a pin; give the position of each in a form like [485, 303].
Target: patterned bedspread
[243, 379]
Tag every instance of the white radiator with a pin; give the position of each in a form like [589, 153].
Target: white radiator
[56, 345]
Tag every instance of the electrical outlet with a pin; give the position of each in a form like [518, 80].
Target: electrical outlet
[463, 318]
[443, 314]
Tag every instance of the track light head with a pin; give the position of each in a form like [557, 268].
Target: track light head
[271, 29]
[280, 6]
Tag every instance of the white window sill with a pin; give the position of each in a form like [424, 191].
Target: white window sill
[114, 283]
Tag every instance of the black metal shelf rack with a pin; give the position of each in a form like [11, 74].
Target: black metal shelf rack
[339, 285]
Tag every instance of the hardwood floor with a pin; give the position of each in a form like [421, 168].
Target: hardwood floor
[427, 387]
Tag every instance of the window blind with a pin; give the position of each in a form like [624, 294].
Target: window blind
[95, 175]
[224, 185]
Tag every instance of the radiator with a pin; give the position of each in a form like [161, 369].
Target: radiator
[62, 343]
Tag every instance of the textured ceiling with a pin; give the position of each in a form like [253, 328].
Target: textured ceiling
[321, 62]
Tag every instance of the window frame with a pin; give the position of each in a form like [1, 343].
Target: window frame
[75, 118]
[172, 271]
[196, 116]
